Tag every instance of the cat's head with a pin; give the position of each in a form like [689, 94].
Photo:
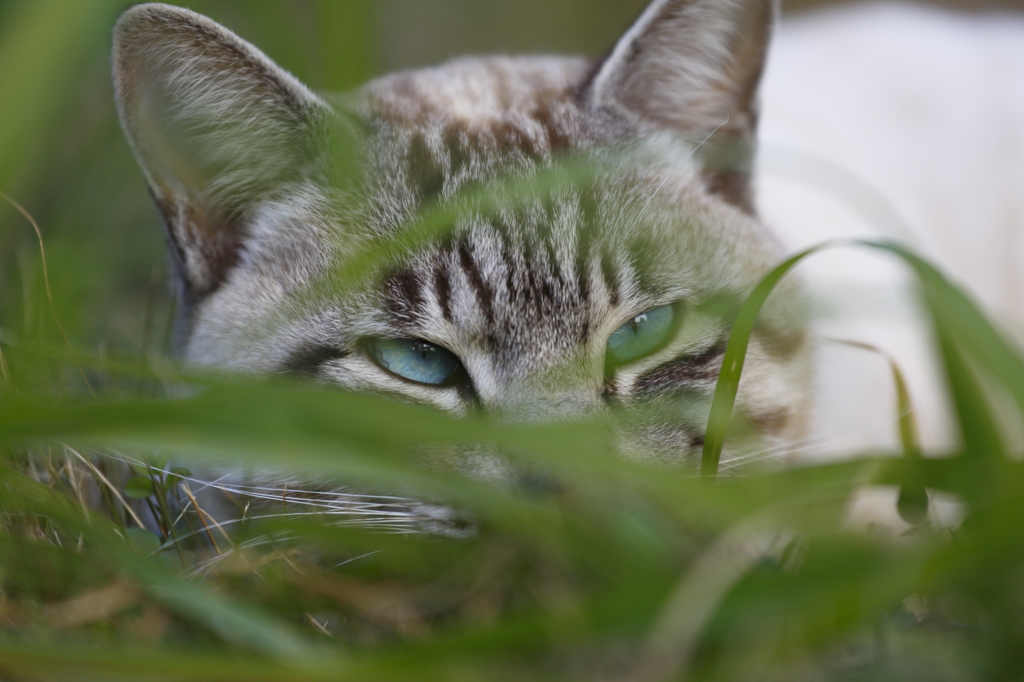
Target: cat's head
[536, 238]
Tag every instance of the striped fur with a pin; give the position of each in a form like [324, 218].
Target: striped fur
[525, 207]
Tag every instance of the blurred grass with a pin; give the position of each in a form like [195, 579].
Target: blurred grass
[628, 574]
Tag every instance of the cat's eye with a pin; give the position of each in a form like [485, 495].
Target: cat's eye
[644, 334]
[414, 359]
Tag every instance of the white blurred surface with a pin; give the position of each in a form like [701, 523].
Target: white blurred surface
[903, 122]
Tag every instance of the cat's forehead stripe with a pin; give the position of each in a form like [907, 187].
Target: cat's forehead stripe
[471, 269]
[438, 161]
[436, 130]
[443, 291]
[504, 284]
[405, 295]
[517, 96]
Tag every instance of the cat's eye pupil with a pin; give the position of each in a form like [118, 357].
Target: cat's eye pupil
[414, 359]
[641, 336]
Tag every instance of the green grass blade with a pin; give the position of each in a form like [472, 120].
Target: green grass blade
[962, 330]
[732, 362]
[235, 623]
[38, 42]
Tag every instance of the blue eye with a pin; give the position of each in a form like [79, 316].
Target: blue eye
[642, 335]
[419, 361]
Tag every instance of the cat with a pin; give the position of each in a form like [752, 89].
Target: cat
[594, 292]
[594, 296]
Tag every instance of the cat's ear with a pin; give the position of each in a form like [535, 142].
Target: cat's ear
[216, 127]
[693, 67]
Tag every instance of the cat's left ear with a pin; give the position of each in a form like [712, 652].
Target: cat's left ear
[693, 67]
[217, 127]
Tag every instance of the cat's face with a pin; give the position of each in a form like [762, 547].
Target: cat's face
[536, 238]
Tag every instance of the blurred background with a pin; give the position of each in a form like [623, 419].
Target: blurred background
[63, 157]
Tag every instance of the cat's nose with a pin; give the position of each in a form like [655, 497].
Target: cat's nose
[540, 407]
[563, 391]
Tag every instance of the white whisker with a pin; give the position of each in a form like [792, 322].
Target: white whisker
[650, 199]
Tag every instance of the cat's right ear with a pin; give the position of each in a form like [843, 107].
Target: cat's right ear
[216, 127]
[693, 67]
